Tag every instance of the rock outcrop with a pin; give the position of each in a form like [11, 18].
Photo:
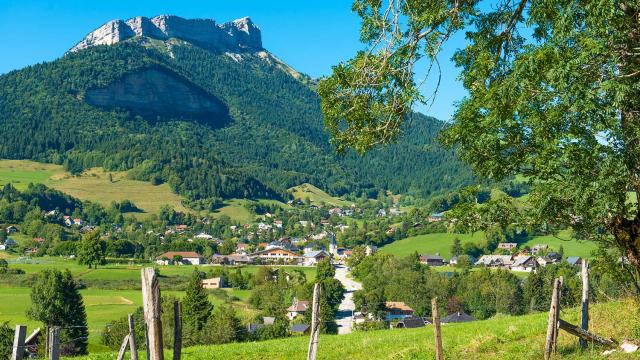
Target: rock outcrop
[240, 35]
[158, 93]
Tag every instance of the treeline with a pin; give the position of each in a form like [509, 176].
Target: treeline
[274, 141]
[482, 294]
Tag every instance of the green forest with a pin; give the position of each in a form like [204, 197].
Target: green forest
[271, 139]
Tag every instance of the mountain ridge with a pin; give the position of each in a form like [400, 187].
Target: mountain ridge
[239, 35]
[267, 137]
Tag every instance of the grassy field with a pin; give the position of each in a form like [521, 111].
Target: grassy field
[430, 244]
[441, 242]
[503, 337]
[106, 305]
[93, 184]
[236, 210]
[316, 195]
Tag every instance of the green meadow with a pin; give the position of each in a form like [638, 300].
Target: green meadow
[315, 195]
[442, 242]
[104, 305]
[502, 337]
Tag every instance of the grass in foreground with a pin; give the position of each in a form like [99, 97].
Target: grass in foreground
[503, 337]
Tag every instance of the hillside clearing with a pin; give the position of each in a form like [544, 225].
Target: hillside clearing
[315, 195]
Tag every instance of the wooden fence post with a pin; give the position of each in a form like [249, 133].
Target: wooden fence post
[552, 321]
[177, 330]
[585, 300]
[54, 343]
[18, 342]
[151, 302]
[132, 339]
[123, 347]
[556, 330]
[315, 324]
[436, 328]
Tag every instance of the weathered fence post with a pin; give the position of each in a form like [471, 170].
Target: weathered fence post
[315, 324]
[585, 300]
[177, 330]
[436, 328]
[552, 321]
[132, 339]
[123, 347]
[54, 343]
[18, 342]
[151, 304]
[556, 330]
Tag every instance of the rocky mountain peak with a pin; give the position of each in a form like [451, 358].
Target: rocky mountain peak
[241, 35]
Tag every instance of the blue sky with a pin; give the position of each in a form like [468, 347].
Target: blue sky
[309, 35]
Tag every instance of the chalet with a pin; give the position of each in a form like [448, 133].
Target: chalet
[213, 283]
[457, 317]
[187, 258]
[298, 307]
[574, 260]
[233, 259]
[278, 224]
[412, 322]
[11, 229]
[276, 254]
[314, 257]
[507, 246]
[397, 310]
[546, 260]
[524, 263]
[51, 213]
[539, 247]
[335, 211]
[204, 236]
[495, 261]
[233, 228]
[432, 260]
[436, 217]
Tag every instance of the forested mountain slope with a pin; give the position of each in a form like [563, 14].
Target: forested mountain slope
[211, 123]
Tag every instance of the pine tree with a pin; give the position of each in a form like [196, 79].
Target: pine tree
[56, 301]
[196, 306]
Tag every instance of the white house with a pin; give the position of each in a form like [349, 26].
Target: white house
[297, 308]
[187, 258]
[204, 236]
[524, 263]
[314, 257]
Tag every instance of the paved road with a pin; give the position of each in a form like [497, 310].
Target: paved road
[346, 308]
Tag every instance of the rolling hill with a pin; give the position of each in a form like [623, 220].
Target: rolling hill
[205, 109]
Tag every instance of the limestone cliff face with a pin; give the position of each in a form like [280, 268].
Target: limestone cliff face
[240, 35]
[157, 93]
